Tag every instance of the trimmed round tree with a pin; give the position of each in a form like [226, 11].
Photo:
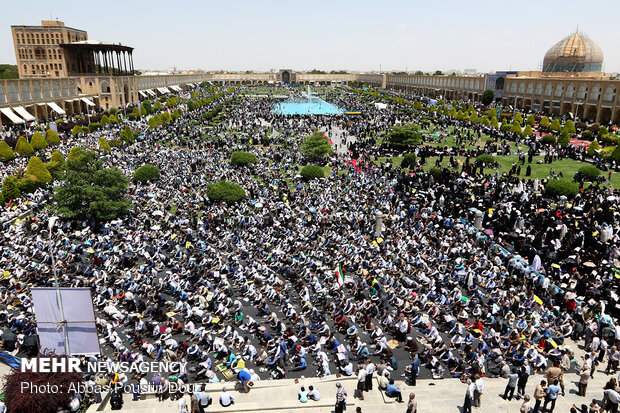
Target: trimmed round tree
[548, 140]
[23, 148]
[104, 145]
[485, 159]
[559, 187]
[588, 172]
[240, 158]
[310, 172]
[37, 168]
[224, 191]
[146, 173]
[10, 189]
[52, 137]
[409, 160]
[38, 142]
[593, 148]
[56, 164]
[6, 153]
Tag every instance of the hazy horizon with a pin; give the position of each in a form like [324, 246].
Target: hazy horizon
[346, 35]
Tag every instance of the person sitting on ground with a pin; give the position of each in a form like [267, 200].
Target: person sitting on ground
[302, 395]
[226, 399]
[314, 394]
[393, 391]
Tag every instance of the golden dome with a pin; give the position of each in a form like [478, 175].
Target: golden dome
[574, 53]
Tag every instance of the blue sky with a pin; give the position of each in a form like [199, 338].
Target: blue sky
[339, 34]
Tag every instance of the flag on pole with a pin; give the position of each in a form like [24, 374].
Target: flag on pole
[340, 275]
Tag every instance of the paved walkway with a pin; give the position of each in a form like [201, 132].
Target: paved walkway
[435, 396]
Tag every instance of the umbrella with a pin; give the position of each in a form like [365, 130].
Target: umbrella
[488, 232]
[589, 264]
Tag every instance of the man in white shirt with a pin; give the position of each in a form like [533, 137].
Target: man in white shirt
[312, 395]
[226, 399]
[182, 404]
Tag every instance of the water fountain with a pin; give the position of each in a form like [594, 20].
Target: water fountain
[306, 104]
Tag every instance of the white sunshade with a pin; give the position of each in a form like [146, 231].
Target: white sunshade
[88, 101]
[191, 85]
[161, 90]
[150, 92]
[56, 108]
[24, 113]
[12, 116]
[177, 88]
[166, 90]
[142, 93]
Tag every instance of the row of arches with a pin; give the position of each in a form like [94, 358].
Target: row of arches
[582, 110]
[23, 92]
[594, 93]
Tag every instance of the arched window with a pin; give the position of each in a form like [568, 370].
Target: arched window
[521, 88]
[105, 87]
[47, 92]
[570, 91]
[530, 88]
[2, 95]
[25, 92]
[558, 91]
[595, 93]
[36, 91]
[582, 91]
[513, 88]
[65, 88]
[610, 94]
[13, 94]
[538, 89]
[548, 89]
[56, 90]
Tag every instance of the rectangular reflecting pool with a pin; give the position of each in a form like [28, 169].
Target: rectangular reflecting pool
[314, 106]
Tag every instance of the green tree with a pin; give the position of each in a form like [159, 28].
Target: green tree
[409, 160]
[528, 130]
[143, 111]
[56, 164]
[530, 120]
[555, 126]
[488, 96]
[37, 168]
[105, 120]
[224, 191]
[91, 192]
[240, 158]
[38, 142]
[146, 173]
[113, 119]
[316, 146]
[615, 156]
[593, 148]
[570, 127]
[309, 172]
[516, 127]
[104, 145]
[494, 122]
[518, 117]
[404, 136]
[602, 132]
[75, 152]
[23, 148]
[136, 111]
[148, 107]
[127, 134]
[52, 137]
[152, 123]
[10, 189]
[6, 153]
[544, 122]
[558, 187]
[564, 139]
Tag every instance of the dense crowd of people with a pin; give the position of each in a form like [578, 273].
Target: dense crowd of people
[373, 272]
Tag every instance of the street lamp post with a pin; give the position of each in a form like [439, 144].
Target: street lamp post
[63, 322]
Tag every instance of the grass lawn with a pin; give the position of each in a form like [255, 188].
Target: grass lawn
[568, 167]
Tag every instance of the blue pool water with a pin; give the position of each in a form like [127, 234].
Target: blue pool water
[315, 106]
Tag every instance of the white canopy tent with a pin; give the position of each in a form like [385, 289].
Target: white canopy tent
[150, 92]
[88, 101]
[143, 94]
[12, 116]
[56, 108]
[166, 90]
[161, 90]
[24, 113]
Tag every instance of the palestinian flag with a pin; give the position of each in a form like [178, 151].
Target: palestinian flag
[340, 275]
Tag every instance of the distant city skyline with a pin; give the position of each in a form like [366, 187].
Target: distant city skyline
[346, 35]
